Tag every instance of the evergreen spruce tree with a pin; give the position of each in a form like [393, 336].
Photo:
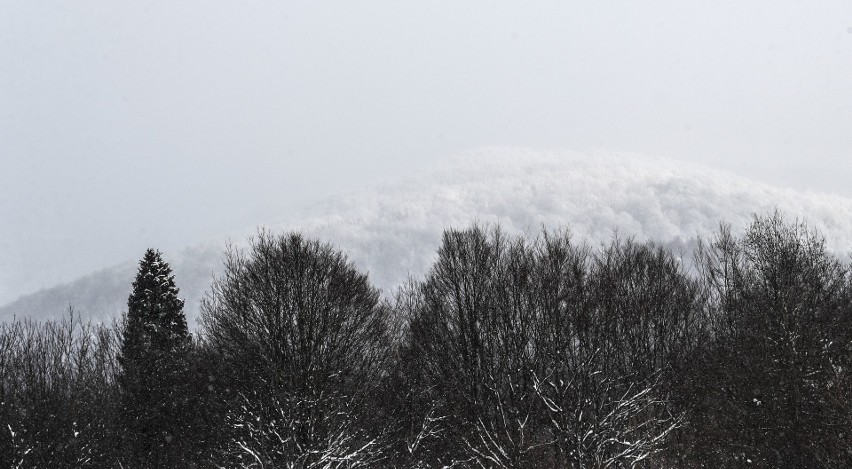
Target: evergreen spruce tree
[153, 360]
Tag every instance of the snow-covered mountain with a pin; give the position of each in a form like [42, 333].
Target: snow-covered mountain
[393, 230]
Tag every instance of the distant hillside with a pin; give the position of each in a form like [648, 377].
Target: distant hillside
[393, 230]
[102, 295]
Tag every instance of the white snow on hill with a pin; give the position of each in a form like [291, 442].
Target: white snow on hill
[393, 230]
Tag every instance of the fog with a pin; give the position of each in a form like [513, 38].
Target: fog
[392, 231]
[125, 125]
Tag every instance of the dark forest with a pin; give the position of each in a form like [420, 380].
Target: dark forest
[512, 351]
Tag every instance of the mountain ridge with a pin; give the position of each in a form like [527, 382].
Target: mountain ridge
[393, 230]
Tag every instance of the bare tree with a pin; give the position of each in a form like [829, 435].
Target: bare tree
[597, 420]
[781, 313]
[301, 334]
[271, 434]
[57, 393]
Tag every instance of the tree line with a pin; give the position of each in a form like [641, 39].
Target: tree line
[511, 352]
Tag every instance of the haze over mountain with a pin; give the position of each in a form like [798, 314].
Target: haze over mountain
[393, 230]
[127, 124]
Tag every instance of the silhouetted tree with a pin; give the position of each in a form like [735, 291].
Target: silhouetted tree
[781, 315]
[155, 344]
[612, 399]
[301, 334]
[535, 354]
[512, 351]
[57, 395]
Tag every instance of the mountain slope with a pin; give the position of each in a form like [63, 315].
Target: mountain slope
[393, 230]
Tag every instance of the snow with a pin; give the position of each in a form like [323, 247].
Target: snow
[393, 230]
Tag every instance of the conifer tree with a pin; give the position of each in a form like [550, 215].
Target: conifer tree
[154, 347]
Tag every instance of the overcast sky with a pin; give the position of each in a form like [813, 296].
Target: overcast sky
[125, 125]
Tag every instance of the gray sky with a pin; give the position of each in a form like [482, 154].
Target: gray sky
[125, 125]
